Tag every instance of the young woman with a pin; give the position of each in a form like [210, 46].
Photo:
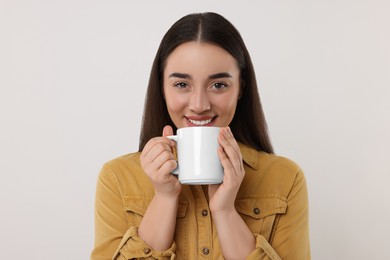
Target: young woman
[202, 76]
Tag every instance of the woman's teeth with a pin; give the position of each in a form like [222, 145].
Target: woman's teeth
[202, 122]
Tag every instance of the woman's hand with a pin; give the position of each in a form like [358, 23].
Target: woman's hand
[236, 239]
[158, 162]
[222, 196]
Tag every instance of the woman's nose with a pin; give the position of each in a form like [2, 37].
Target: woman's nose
[199, 101]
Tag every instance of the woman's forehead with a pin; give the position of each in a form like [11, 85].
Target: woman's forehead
[200, 58]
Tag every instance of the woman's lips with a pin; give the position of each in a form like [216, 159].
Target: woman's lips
[200, 121]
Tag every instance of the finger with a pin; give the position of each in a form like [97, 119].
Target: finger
[161, 167]
[225, 161]
[232, 175]
[227, 133]
[231, 163]
[167, 130]
[156, 151]
[153, 143]
[166, 168]
[161, 159]
[232, 153]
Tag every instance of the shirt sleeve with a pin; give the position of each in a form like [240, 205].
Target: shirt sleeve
[132, 247]
[290, 240]
[263, 250]
[114, 239]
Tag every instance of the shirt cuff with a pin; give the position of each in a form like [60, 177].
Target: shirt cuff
[132, 246]
[263, 250]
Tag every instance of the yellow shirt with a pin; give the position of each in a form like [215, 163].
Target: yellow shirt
[272, 201]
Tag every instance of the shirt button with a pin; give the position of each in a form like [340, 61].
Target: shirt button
[147, 250]
[205, 212]
[206, 251]
[256, 211]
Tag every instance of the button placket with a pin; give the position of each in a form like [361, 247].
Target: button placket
[204, 222]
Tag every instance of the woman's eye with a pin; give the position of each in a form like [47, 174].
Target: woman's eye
[180, 85]
[219, 85]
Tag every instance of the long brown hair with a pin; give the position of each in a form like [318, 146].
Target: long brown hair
[248, 125]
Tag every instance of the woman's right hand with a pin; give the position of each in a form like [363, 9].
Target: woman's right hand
[158, 162]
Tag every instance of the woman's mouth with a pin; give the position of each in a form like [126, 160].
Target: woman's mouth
[200, 121]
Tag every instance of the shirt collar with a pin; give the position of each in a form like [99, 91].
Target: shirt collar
[250, 156]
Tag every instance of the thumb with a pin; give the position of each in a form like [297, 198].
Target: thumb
[167, 130]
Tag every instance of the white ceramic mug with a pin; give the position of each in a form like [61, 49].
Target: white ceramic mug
[198, 161]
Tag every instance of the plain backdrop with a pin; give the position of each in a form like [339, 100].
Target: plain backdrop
[73, 76]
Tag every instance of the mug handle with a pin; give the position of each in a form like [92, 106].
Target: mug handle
[174, 138]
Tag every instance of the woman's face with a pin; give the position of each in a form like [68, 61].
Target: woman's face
[201, 85]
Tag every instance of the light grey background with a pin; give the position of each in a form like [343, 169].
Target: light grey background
[73, 76]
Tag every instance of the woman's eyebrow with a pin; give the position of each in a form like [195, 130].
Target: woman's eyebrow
[220, 75]
[188, 76]
[180, 75]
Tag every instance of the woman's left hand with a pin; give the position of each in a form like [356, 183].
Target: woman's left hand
[222, 196]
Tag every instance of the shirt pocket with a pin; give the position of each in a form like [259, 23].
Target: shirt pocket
[260, 213]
